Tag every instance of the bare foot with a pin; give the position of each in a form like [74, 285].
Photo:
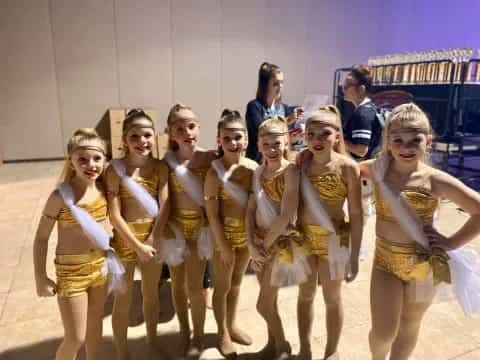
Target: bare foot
[334, 356]
[123, 355]
[184, 342]
[195, 349]
[226, 347]
[283, 352]
[207, 293]
[267, 353]
[304, 354]
[240, 336]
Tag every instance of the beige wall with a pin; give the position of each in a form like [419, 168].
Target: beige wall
[70, 60]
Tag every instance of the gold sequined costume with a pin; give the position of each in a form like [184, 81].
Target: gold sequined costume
[333, 191]
[410, 261]
[189, 220]
[141, 228]
[274, 188]
[79, 272]
[235, 228]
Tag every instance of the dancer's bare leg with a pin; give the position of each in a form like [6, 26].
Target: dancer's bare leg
[223, 277]
[121, 312]
[180, 303]
[96, 306]
[73, 311]
[195, 269]
[410, 323]
[305, 310]
[386, 303]
[331, 290]
[242, 258]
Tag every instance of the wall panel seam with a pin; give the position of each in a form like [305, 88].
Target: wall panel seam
[55, 72]
[172, 54]
[222, 105]
[117, 57]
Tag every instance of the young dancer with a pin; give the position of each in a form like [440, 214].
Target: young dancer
[227, 186]
[138, 197]
[277, 258]
[188, 165]
[327, 180]
[83, 258]
[411, 256]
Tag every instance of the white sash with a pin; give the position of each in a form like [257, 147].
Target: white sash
[283, 273]
[148, 202]
[235, 191]
[193, 187]
[267, 210]
[191, 184]
[464, 262]
[338, 256]
[99, 236]
[171, 251]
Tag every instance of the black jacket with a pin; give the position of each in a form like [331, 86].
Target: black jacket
[256, 114]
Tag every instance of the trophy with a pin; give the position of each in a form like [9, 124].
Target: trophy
[398, 68]
[441, 67]
[477, 68]
[406, 69]
[388, 70]
[449, 65]
[437, 57]
[468, 59]
[458, 66]
[423, 68]
[431, 66]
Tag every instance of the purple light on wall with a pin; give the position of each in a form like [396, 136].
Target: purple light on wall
[413, 25]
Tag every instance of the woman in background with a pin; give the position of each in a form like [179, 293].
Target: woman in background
[266, 104]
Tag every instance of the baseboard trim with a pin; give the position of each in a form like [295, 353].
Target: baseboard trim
[32, 160]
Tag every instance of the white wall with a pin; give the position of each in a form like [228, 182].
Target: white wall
[30, 124]
[70, 60]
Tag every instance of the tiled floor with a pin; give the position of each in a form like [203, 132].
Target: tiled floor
[30, 328]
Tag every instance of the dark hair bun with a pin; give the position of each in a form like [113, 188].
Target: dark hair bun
[229, 112]
[136, 112]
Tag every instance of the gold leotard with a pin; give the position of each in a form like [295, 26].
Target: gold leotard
[410, 261]
[235, 228]
[332, 189]
[79, 272]
[97, 209]
[274, 188]
[141, 228]
[189, 220]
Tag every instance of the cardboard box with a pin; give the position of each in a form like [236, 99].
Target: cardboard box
[116, 121]
[117, 147]
[162, 144]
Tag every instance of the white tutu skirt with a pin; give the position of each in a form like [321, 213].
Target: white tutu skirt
[172, 251]
[288, 273]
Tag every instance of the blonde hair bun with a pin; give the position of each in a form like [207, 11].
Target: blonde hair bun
[274, 125]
